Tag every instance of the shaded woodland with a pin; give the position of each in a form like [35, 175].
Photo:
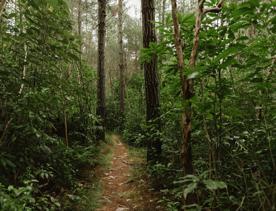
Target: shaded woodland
[189, 82]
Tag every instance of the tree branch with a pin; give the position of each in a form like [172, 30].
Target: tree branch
[215, 9]
[201, 3]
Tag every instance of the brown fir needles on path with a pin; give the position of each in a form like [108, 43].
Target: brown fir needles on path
[120, 191]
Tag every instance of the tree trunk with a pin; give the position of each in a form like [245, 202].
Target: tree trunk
[163, 15]
[24, 65]
[100, 133]
[80, 49]
[187, 93]
[121, 59]
[187, 84]
[2, 6]
[163, 11]
[151, 83]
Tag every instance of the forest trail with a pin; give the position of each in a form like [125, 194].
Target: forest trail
[120, 191]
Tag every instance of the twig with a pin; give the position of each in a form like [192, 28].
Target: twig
[5, 130]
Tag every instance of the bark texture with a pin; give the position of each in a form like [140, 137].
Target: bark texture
[186, 83]
[101, 110]
[187, 94]
[121, 59]
[151, 82]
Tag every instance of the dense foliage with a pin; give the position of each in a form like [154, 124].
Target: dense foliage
[46, 109]
[233, 134]
[48, 103]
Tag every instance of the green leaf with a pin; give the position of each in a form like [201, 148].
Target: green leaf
[193, 75]
[214, 185]
[190, 188]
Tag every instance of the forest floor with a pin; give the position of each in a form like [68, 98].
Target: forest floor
[124, 186]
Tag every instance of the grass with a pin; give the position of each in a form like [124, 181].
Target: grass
[90, 190]
[90, 197]
[140, 179]
[137, 156]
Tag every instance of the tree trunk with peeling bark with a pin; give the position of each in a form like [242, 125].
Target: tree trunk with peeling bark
[187, 94]
[186, 83]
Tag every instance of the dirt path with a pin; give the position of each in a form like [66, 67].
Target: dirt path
[120, 191]
[114, 182]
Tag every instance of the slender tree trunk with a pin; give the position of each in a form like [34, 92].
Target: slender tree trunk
[110, 81]
[24, 69]
[187, 84]
[187, 94]
[121, 59]
[200, 12]
[163, 11]
[79, 19]
[66, 129]
[84, 107]
[151, 83]
[100, 134]
[80, 56]
[2, 6]
[24, 65]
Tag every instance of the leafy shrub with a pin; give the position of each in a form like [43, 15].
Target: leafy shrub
[26, 198]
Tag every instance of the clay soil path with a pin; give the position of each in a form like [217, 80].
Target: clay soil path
[114, 181]
[120, 191]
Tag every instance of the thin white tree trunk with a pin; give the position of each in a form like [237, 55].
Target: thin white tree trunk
[24, 69]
